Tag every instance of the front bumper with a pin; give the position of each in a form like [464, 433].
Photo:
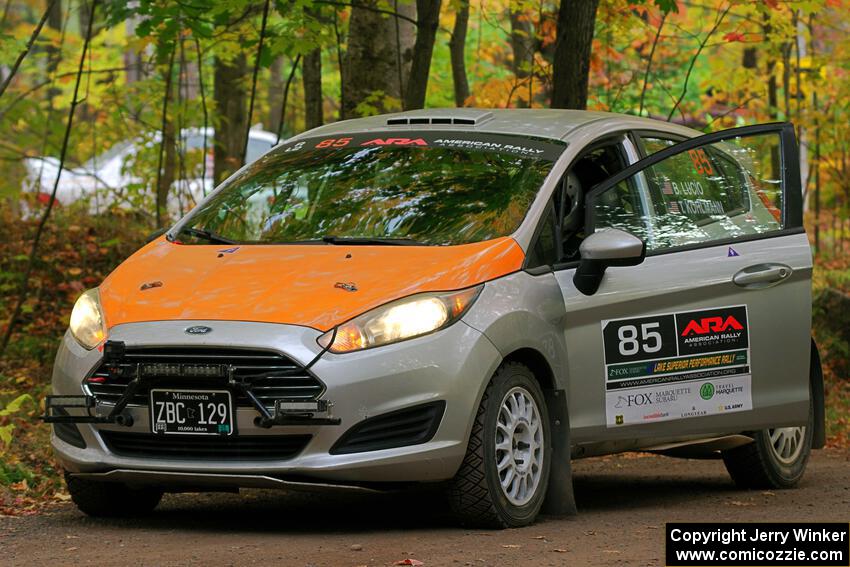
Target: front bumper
[452, 365]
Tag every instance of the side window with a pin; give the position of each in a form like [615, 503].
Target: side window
[722, 190]
[603, 160]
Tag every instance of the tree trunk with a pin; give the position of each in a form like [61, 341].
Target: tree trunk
[573, 45]
[428, 18]
[169, 166]
[457, 52]
[749, 59]
[405, 38]
[231, 106]
[816, 111]
[132, 58]
[312, 74]
[54, 22]
[165, 171]
[275, 95]
[371, 66]
[522, 45]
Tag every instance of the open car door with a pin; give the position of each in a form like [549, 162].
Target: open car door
[711, 333]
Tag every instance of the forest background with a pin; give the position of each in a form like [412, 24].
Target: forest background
[79, 78]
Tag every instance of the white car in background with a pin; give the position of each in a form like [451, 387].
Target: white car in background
[104, 179]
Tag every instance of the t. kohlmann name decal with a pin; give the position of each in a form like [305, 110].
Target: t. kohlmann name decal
[676, 365]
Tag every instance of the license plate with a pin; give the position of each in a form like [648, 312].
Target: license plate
[191, 412]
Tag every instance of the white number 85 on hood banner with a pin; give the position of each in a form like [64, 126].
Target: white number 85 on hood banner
[676, 365]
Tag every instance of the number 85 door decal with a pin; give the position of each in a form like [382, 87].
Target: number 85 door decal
[676, 365]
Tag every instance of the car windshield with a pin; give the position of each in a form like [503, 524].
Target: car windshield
[435, 188]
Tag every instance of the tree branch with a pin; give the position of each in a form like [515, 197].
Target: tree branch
[649, 63]
[285, 97]
[368, 8]
[254, 82]
[694, 60]
[165, 138]
[27, 49]
[48, 82]
[22, 294]
[206, 116]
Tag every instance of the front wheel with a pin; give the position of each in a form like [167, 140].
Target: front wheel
[505, 473]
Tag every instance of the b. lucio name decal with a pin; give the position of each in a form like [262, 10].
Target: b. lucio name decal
[677, 365]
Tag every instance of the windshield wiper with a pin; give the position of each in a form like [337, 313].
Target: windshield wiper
[207, 235]
[367, 240]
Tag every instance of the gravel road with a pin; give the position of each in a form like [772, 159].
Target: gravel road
[624, 502]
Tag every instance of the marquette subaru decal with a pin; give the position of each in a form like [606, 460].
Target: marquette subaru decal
[676, 365]
[198, 330]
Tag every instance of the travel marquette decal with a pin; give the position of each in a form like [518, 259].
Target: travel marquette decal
[677, 365]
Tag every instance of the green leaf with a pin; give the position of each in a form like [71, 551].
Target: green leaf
[6, 435]
[15, 405]
[668, 6]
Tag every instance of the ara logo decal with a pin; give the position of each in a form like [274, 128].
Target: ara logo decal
[712, 330]
[395, 142]
[711, 325]
[731, 253]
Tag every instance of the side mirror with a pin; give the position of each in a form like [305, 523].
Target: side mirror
[606, 247]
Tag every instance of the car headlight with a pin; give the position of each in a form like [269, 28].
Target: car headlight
[87, 320]
[399, 320]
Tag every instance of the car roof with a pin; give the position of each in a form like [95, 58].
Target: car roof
[545, 123]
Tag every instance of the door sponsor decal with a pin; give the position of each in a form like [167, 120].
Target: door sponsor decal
[676, 365]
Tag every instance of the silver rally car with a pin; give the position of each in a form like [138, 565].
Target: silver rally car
[469, 297]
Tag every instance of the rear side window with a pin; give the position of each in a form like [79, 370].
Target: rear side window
[651, 144]
[717, 191]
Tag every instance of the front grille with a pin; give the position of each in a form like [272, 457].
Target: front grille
[410, 426]
[257, 447]
[271, 375]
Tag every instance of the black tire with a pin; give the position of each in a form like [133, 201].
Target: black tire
[111, 499]
[757, 465]
[475, 493]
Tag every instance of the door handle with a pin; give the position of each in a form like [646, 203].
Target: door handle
[761, 276]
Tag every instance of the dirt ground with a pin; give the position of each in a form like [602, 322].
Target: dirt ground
[624, 502]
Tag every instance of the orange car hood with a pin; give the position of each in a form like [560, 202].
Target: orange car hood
[290, 284]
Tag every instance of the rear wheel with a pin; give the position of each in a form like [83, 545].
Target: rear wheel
[776, 459]
[505, 474]
[111, 499]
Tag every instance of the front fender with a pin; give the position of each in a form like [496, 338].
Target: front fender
[522, 311]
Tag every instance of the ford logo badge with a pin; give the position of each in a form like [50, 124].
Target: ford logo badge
[198, 330]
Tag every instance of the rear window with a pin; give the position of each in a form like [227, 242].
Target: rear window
[434, 188]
